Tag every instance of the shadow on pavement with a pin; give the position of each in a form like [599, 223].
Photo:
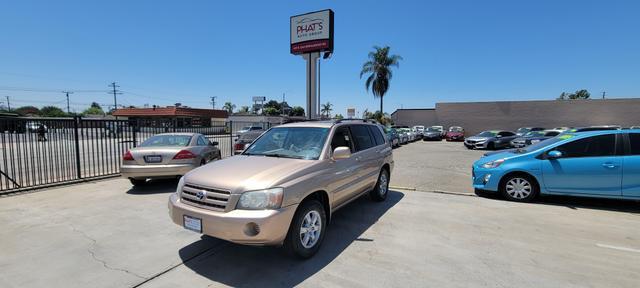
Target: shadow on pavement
[629, 206]
[574, 202]
[155, 187]
[238, 265]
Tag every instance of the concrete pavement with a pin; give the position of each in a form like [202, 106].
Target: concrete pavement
[104, 234]
[434, 166]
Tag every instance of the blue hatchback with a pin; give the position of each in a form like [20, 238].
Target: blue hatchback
[592, 164]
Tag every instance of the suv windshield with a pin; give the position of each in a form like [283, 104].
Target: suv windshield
[431, 129]
[523, 130]
[487, 134]
[455, 129]
[290, 142]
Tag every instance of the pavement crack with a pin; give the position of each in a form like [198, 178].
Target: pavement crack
[91, 252]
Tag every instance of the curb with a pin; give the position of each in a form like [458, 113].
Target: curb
[433, 191]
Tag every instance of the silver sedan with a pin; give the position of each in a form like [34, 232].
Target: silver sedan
[167, 155]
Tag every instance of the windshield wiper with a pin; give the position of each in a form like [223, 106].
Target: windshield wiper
[281, 156]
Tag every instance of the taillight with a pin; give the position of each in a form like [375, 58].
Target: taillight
[127, 156]
[239, 146]
[184, 154]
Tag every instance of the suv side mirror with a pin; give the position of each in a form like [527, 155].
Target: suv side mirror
[213, 143]
[342, 152]
[554, 154]
[498, 136]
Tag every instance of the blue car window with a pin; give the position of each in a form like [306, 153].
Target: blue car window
[596, 146]
[634, 140]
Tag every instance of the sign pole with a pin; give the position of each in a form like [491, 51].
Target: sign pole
[312, 88]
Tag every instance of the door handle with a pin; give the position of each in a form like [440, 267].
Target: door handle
[609, 165]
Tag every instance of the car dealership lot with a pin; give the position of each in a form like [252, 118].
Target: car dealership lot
[108, 234]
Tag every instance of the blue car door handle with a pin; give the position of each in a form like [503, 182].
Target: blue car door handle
[609, 165]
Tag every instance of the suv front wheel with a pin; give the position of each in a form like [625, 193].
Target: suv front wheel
[307, 229]
[380, 191]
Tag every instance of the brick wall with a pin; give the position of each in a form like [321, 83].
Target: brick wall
[510, 115]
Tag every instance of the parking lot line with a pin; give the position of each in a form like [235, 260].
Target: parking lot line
[618, 248]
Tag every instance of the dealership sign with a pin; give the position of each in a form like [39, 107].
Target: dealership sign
[312, 32]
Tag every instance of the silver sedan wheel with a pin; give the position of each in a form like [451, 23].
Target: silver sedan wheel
[518, 188]
[310, 229]
[383, 184]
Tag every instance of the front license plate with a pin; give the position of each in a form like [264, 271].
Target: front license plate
[192, 223]
[153, 159]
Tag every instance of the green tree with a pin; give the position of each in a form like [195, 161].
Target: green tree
[229, 107]
[326, 109]
[94, 109]
[52, 111]
[270, 111]
[273, 104]
[338, 116]
[580, 94]
[244, 109]
[297, 111]
[378, 67]
[27, 110]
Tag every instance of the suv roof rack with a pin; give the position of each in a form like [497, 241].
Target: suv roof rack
[357, 119]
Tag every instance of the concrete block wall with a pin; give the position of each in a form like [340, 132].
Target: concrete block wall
[510, 115]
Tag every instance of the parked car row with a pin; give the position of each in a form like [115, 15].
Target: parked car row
[525, 136]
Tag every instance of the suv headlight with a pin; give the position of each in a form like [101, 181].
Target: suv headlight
[180, 185]
[493, 164]
[261, 199]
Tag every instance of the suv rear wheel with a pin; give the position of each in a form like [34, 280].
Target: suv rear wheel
[380, 191]
[307, 229]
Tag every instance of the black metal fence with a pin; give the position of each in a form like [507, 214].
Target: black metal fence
[37, 152]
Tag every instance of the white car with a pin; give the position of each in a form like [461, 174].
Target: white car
[419, 130]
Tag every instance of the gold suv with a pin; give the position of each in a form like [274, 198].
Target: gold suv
[283, 188]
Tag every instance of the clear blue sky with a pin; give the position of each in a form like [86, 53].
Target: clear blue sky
[162, 52]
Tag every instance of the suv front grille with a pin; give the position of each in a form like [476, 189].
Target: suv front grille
[208, 198]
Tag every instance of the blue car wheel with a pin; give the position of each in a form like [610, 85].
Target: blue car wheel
[519, 188]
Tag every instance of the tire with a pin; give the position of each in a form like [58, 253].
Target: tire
[380, 191]
[138, 182]
[296, 242]
[469, 147]
[203, 162]
[519, 188]
[491, 146]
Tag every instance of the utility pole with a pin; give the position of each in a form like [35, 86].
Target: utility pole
[68, 92]
[213, 102]
[115, 92]
[8, 104]
[603, 94]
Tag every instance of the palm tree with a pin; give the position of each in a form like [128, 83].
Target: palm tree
[229, 107]
[326, 109]
[379, 69]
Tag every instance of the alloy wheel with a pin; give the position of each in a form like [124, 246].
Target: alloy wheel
[383, 184]
[310, 229]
